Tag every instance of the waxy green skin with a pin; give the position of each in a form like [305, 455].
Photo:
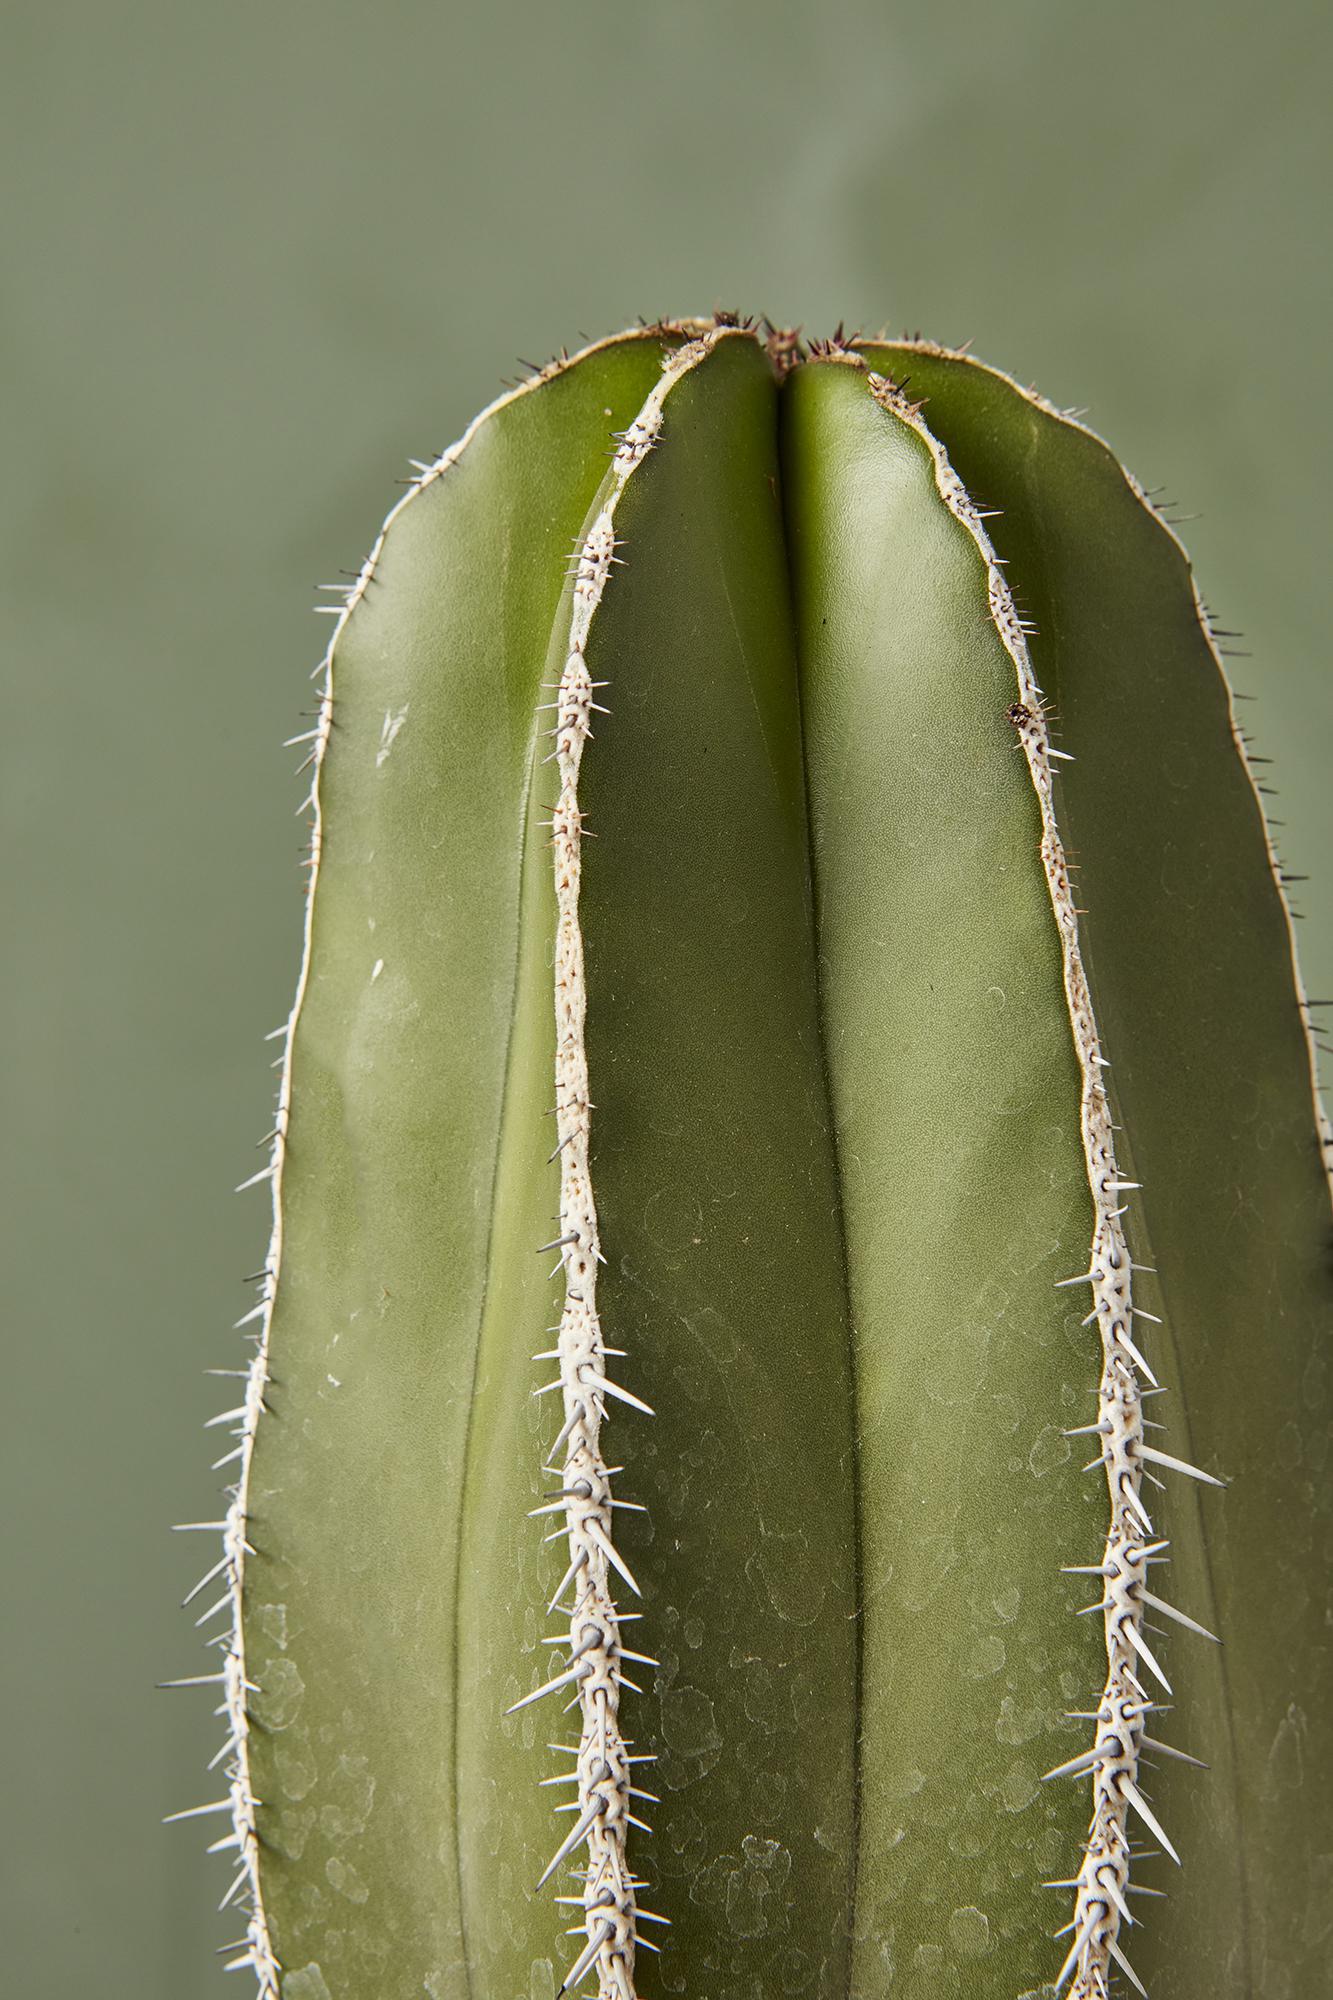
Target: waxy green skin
[838, 1169]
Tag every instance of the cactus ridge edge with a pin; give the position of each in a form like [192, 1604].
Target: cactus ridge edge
[1103, 1876]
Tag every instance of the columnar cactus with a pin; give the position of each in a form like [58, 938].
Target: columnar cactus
[797, 1001]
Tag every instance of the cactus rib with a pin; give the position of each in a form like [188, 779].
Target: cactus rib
[259, 1952]
[1072, 419]
[1103, 1877]
[603, 1771]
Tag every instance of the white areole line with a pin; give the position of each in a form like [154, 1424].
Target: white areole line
[1102, 1883]
[603, 1765]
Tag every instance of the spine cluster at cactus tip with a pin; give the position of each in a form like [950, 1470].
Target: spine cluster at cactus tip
[798, 1000]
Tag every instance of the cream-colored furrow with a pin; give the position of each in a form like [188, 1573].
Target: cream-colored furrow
[1101, 1883]
[603, 1769]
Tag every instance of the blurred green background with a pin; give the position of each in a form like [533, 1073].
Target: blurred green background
[255, 255]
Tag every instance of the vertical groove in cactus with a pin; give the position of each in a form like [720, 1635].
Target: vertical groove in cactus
[838, 797]
[603, 1773]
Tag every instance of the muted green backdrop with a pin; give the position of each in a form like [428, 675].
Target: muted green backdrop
[257, 254]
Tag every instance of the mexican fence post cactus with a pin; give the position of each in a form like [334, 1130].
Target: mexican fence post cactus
[795, 1180]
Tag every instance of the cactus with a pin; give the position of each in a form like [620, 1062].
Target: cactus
[797, 1002]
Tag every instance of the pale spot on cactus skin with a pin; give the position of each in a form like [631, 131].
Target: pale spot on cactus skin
[907, 1786]
[273, 1619]
[764, 1869]
[541, 1980]
[782, 1563]
[687, 1834]
[975, 1831]
[969, 1932]
[296, 1767]
[1016, 1725]
[278, 1703]
[1050, 1449]
[1007, 1603]
[689, 1728]
[1286, 1760]
[295, 1827]
[793, 1971]
[671, 1977]
[988, 1658]
[307, 1984]
[311, 1904]
[389, 732]
[928, 1974]
[346, 1815]
[345, 1880]
[1018, 1787]
[757, 1688]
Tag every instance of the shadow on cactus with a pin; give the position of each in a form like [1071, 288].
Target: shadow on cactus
[795, 1173]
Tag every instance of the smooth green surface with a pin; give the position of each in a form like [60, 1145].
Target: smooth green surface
[1188, 959]
[956, 1097]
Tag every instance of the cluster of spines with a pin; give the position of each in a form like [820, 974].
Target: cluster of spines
[1102, 1885]
[603, 1764]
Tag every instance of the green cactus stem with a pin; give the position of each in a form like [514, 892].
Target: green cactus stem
[795, 1160]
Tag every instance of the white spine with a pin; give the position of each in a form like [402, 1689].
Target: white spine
[1102, 1882]
[603, 1773]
